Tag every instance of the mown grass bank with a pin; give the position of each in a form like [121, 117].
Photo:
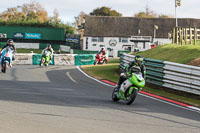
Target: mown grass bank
[175, 53]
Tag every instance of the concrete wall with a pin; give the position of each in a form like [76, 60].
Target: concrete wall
[59, 59]
[23, 59]
[64, 59]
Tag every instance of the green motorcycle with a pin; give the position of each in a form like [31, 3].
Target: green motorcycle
[129, 89]
[45, 58]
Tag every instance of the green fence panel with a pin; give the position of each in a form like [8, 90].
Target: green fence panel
[37, 59]
[155, 74]
[47, 33]
[2, 44]
[42, 46]
[153, 60]
[154, 71]
[55, 46]
[160, 83]
[152, 64]
[84, 59]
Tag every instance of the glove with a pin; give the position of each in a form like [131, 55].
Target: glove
[128, 74]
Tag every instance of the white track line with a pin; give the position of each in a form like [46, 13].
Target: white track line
[67, 73]
[191, 108]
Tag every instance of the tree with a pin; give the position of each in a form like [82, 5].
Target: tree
[105, 11]
[165, 16]
[149, 13]
[33, 14]
[79, 23]
[32, 11]
[55, 19]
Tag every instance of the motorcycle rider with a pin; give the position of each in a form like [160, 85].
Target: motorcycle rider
[138, 64]
[10, 44]
[49, 48]
[103, 52]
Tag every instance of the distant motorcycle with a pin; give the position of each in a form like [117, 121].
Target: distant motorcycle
[100, 59]
[45, 60]
[131, 87]
[6, 58]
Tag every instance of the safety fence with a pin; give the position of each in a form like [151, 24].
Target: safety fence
[168, 74]
[57, 59]
[34, 59]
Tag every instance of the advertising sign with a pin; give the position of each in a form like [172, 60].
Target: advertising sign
[18, 35]
[72, 40]
[2, 35]
[32, 35]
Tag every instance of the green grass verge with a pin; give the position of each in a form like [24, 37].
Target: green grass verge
[111, 73]
[114, 60]
[174, 53]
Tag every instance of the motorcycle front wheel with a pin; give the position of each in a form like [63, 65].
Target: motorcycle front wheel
[114, 94]
[42, 61]
[4, 67]
[95, 62]
[131, 98]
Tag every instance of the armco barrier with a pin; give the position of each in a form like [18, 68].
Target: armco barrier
[168, 74]
[154, 71]
[182, 77]
[37, 59]
[25, 59]
[87, 59]
[64, 59]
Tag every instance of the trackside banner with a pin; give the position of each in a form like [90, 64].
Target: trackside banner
[32, 35]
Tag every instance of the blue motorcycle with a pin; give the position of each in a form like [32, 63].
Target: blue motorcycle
[6, 58]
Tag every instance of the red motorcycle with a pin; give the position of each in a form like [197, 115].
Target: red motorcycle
[100, 59]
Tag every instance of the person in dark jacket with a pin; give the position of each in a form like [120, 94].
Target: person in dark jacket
[10, 43]
[136, 63]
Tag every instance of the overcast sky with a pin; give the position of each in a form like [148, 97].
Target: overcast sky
[69, 8]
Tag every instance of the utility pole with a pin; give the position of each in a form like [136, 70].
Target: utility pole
[154, 32]
[175, 13]
[177, 3]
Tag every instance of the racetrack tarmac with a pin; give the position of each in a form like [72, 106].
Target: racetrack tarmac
[57, 99]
